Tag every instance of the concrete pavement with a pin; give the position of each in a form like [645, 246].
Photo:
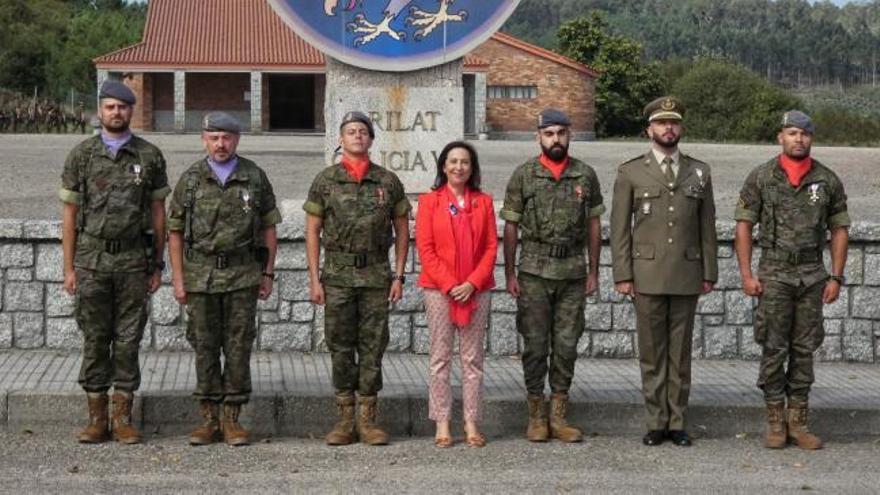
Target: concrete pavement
[293, 396]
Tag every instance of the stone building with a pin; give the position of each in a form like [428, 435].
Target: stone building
[258, 69]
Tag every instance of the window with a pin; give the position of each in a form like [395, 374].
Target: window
[512, 92]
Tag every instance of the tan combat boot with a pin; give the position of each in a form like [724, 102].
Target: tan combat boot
[776, 435]
[123, 430]
[232, 430]
[97, 431]
[798, 431]
[209, 431]
[538, 430]
[559, 427]
[367, 429]
[343, 432]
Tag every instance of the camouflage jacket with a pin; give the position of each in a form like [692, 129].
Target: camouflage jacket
[793, 220]
[114, 196]
[552, 217]
[226, 220]
[357, 221]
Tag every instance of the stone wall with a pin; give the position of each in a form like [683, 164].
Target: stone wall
[36, 313]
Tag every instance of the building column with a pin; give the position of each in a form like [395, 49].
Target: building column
[256, 101]
[103, 75]
[480, 96]
[179, 101]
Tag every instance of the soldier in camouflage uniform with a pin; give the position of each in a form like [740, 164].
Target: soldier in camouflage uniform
[113, 189]
[796, 200]
[352, 207]
[222, 243]
[556, 202]
[663, 247]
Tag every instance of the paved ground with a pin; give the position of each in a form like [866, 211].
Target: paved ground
[290, 411]
[30, 167]
[292, 394]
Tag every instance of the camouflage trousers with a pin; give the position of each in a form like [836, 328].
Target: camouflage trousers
[111, 311]
[550, 318]
[356, 332]
[789, 327]
[222, 323]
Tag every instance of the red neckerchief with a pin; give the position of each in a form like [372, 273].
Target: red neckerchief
[555, 168]
[795, 169]
[465, 257]
[356, 168]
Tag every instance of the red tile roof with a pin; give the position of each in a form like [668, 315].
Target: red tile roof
[244, 35]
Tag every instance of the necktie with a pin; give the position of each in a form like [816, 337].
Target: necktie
[669, 173]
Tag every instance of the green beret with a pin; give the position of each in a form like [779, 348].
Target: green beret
[665, 107]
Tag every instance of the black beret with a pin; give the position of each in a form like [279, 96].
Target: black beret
[552, 116]
[358, 117]
[117, 90]
[796, 118]
[220, 122]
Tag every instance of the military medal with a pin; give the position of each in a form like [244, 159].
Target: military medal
[700, 176]
[381, 193]
[136, 170]
[580, 192]
[246, 197]
[814, 193]
[646, 208]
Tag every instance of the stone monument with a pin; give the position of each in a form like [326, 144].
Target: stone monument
[400, 62]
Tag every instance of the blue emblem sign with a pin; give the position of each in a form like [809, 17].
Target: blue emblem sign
[395, 35]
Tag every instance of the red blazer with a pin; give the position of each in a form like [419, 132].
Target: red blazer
[436, 242]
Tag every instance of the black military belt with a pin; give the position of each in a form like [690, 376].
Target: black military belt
[357, 260]
[557, 251]
[112, 246]
[793, 257]
[222, 261]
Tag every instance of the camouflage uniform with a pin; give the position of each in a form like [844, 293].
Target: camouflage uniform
[114, 196]
[357, 233]
[793, 224]
[222, 269]
[552, 216]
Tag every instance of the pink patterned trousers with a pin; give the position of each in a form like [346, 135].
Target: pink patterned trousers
[471, 338]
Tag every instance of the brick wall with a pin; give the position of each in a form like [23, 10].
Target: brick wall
[217, 91]
[558, 86]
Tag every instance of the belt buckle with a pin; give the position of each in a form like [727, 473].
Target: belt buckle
[113, 246]
[360, 260]
[221, 262]
[558, 251]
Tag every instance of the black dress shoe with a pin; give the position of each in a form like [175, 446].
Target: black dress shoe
[680, 438]
[654, 437]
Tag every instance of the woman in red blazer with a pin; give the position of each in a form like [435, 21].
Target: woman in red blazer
[456, 239]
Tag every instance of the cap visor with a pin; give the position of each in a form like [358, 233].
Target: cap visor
[665, 116]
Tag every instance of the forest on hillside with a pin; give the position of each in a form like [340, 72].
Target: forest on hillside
[794, 43]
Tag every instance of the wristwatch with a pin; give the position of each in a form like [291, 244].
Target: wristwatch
[840, 279]
[399, 278]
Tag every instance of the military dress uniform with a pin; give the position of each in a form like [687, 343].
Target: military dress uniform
[113, 260]
[663, 239]
[788, 322]
[223, 262]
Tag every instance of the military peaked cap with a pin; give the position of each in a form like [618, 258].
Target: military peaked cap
[665, 107]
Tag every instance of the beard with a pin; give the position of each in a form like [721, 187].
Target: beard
[115, 128]
[557, 152]
[666, 143]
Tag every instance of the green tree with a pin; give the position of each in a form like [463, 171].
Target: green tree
[625, 84]
[727, 102]
[29, 29]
